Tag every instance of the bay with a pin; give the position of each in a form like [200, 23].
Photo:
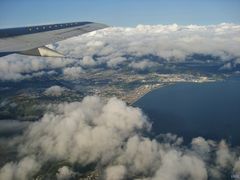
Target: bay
[210, 110]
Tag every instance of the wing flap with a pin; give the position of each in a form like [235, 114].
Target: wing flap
[42, 51]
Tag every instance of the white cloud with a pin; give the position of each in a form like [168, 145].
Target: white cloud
[201, 146]
[236, 168]
[142, 65]
[72, 72]
[224, 155]
[54, 91]
[176, 165]
[227, 66]
[114, 61]
[141, 155]
[64, 173]
[22, 170]
[41, 73]
[115, 172]
[15, 67]
[88, 61]
[94, 128]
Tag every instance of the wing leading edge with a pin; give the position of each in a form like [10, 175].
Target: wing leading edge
[31, 40]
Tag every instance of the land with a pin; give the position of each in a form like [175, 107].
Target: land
[25, 100]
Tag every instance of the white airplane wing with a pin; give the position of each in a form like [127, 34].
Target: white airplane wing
[32, 40]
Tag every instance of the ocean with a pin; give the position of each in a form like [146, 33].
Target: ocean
[210, 110]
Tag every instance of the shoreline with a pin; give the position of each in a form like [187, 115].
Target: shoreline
[164, 85]
[141, 96]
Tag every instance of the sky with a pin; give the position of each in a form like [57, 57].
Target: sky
[14, 13]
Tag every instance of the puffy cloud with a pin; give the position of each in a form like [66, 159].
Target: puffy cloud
[92, 126]
[236, 168]
[111, 134]
[141, 155]
[201, 146]
[42, 73]
[170, 138]
[114, 61]
[224, 155]
[72, 72]
[176, 165]
[22, 170]
[88, 61]
[64, 173]
[54, 91]
[115, 172]
[227, 66]
[15, 67]
[144, 64]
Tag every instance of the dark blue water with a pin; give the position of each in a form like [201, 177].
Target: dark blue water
[210, 110]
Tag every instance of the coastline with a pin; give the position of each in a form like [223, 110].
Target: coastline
[158, 86]
[145, 93]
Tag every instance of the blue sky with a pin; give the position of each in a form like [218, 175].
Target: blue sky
[119, 12]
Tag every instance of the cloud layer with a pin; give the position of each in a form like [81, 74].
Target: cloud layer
[111, 135]
[116, 46]
[168, 42]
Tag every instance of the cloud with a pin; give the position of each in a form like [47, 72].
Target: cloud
[42, 73]
[22, 170]
[54, 91]
[94, 128]
[237, 166]
[64, 173]
[227, 66]
[176, 165]
[115, 61]
[201, 146]
[88, 61]
[117, 46]
[141, 155]
[115, 172]
[72, 73]
[224, 156]
[111, 134]
[18, 67]
[142, 65]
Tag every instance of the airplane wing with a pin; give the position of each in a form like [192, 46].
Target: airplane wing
[32, 40]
